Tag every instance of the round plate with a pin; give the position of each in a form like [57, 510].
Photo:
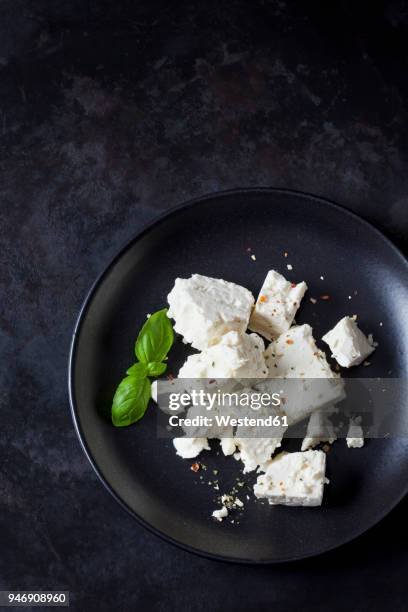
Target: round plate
[212, 236]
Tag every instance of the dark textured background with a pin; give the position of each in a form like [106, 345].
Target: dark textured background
[111, 112]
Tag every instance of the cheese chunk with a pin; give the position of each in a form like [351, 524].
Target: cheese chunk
[256, 452]
[220, 514]
[235, 356]
[188, 448]
[204, 309]
[355, 436]
[348, 344]
[295, 355]
[257, 443]
[228, 446]
[276, 305]
[293, 479]
[319, 429]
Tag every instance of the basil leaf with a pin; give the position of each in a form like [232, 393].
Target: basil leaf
[154, 368]
[138, 370]
[130, 401]
[155, 338]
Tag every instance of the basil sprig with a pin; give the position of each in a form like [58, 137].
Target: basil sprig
[134, 391]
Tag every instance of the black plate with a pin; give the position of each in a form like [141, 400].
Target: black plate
[211, 236]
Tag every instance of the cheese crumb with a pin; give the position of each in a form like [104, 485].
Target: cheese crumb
[219, 515]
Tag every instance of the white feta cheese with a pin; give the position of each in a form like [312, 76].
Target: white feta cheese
[257, 443]
[348, 344]
[154, 391]
[256, 452]
[220, 514]
[276, 305]
[188, 448]
[228, 446]
[195, 427]
[319, 429]
[204, 309]
[355, 436]
[295, 355]
[235, 356]
[293, 479]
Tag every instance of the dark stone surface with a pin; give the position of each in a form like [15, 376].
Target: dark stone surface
[109, 114]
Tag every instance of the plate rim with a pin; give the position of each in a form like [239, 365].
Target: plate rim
[146, 228]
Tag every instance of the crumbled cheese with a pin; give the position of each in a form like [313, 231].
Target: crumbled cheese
[154, 391]
[255, 452]
[204, 309]
[348, 344]
[220, 514]
[293, 479]
[295, 355]
[235, 356]
[188, 448]
[276, 305]
[228, 446]
[355, 436]
[319, 429]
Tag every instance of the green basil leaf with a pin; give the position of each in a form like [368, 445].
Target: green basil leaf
[138, 370]
[154, 368]
[130, 401]
[155, 338]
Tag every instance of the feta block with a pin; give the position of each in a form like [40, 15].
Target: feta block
[355, 436]
[295, 355]
[204, 309]
[348, 344]
[319, 429]
[235, 356]
[188, 448]
[293, 479]
[276, 305]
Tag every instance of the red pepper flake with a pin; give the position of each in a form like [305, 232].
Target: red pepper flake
[195, 467]
[263, 298]
[289, 341]
[325, 297]
[293, 285]
[212, 381]
[170, 377]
